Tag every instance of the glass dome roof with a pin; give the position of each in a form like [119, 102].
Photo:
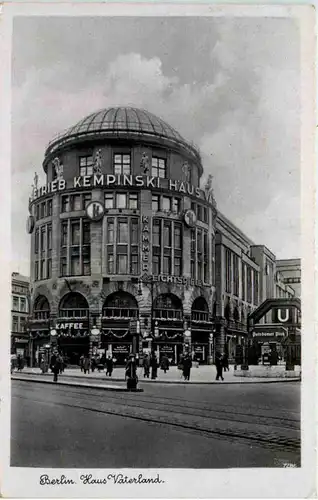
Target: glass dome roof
[119, 121]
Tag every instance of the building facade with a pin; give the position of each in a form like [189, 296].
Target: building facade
[129, 252]
[20, 294]
[290, 274]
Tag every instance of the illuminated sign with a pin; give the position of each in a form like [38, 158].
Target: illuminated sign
[268, 334]
[177, 280]
[64, 326]
[110, 180]
[145, 243]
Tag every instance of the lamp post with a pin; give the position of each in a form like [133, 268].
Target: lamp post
[94, 337]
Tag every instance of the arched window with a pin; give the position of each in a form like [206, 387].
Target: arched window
[200, 310]
[167, 306]
[120, 305]
[41, 309]
[73, 305]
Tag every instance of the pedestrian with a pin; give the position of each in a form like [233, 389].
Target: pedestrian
[93, 364]
[131, 372]
[109, 366]
[187, 365]
[20, 363]
[164, 365]
[219, 366]
[81, 362]
[154, 365]
[146, 365]
[86, 364]
[226, 362]
[55, 366]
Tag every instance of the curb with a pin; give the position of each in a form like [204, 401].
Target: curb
[76, 384]
[164, 382]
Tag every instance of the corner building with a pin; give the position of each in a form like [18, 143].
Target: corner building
[123, 241]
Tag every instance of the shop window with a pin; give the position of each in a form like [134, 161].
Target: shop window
[155, 203]
[133, 201]
[158, 167]
[166, 203]
[86, 165]
[122, 164]
[109, 200]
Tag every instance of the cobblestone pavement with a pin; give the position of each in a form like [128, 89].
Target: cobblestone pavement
[167, 426]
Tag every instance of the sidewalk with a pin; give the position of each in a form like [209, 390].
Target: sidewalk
[203, 375]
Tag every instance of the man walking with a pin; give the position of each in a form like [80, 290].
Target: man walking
[219, 366]
[146, 365]
[109, 366]
[187, 365]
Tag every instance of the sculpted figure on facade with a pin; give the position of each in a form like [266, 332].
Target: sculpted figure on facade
[144, 163]
[58, 168]
[186, 171]
[97, 168]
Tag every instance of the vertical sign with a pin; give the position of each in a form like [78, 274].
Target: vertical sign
[145, 243]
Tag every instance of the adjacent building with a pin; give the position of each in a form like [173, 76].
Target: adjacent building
[20, 293]
[129, 251]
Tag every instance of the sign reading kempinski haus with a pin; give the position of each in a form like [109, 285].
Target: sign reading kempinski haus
[110, 180]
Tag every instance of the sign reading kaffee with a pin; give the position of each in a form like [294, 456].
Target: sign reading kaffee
[110, 180]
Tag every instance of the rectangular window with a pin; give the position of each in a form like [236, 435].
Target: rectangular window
[134, 267]
[134, 236]
[249, 284]
[87, 198]
[192, 240]
[109, 200]
[22, 324]
[49, 207]
[205, 272]
[76, 202]
[75, 233]
[122, 261]
[243, 281]
[37, 212]
[110, 263]
[36, 270]
[176, 204]
[156, 264]
[155, 203]
[133, 201]
[15, 303]
[177, 266]
[75, 265]
[49, 237]
[199, 241]
[86, 233]
[110, 231]
[158, 167]
[65, 204]
[166, 203]
[121, 200]
[121, 164]
[49, 268]
[42, 239]
[86, 260]
[43, 210]
[36, 241]
[15, 324]
[205, 245]
[177, 236]
[166, 265]
[200, 269]
[199, 212]
[236, 275]
[156, 233]
[64, 234]
[122, 231]
[228, 270]
[42, 270]
[22, 304]
[86, 165]
[255, 287]
[167, 234]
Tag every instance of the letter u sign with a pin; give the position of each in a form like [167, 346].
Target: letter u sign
[283, 318]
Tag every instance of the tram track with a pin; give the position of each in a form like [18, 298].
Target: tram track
[181, 420]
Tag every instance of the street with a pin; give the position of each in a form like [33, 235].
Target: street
[207, 426]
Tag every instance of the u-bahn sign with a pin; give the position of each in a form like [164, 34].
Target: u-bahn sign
[285, 312]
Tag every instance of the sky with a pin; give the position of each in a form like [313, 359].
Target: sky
[230, 85]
